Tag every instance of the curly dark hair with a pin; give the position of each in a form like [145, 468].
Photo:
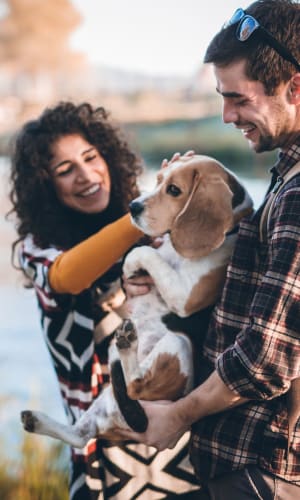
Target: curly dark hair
[35, 204]
[282, 19]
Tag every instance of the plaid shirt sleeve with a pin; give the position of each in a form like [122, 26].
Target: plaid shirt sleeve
[265, 357]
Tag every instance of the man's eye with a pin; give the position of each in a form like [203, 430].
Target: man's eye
[173, 190]
[243, 102]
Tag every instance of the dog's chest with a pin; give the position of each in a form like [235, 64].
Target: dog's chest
[169, 254]
[147, 311]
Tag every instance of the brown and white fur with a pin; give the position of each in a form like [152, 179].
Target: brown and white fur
[195, 206]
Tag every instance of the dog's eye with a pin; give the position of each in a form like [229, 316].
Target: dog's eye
[173, 190]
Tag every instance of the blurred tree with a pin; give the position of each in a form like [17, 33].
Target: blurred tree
[34, 36]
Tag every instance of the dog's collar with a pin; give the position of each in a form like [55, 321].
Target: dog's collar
[234, 230]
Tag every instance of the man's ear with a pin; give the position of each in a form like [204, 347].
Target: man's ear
[295, 89]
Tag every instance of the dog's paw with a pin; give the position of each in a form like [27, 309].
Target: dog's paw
[29, 420]
[126, 335]
[137, 260]
[131, 264]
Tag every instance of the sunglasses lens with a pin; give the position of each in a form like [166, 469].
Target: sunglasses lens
[237, 16]
[247, 25]
[246, 28]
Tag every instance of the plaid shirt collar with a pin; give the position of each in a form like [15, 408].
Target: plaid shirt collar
[286, 159]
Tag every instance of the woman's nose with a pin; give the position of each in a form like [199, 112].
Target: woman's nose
[83, 173]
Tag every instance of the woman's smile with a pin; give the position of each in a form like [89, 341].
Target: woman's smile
[80, 175]
[90, 191]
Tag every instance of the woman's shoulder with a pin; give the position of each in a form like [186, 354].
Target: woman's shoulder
[31, 251]
[35, 262]
[29, 244]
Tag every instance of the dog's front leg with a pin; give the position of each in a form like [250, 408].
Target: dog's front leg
[171, 285]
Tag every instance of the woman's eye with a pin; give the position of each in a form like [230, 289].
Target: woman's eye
[61, 173]
[90, 158]
[173, 190]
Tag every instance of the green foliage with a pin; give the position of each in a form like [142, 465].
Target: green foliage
[207, 136]
[41, 473]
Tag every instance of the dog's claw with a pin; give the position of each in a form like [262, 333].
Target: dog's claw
[28, 420]
[126, 334]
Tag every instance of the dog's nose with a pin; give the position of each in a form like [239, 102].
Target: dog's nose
[136, 207]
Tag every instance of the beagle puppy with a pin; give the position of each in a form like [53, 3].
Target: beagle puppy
[196, 207]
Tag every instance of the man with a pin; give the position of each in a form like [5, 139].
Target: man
[244, 443]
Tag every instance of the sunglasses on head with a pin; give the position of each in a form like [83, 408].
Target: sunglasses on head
[247, 25]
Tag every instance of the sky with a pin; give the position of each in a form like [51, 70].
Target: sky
[157, 37]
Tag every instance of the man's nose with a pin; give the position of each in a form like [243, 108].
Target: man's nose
[230, 114]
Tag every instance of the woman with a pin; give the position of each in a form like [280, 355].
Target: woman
[72, 178]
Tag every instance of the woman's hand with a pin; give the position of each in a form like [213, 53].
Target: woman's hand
[140, 284]
[137, 285]
[176, 157]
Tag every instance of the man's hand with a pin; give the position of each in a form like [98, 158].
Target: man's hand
[165, 426]
[169, 420]
[176, 157]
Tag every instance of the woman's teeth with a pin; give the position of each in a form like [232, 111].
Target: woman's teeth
[91, 190]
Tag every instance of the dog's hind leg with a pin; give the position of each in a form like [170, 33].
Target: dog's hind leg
[165, 373]
[76, 435]
[127, 344]
[121, 375]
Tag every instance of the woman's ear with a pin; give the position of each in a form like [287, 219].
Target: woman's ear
[201, 225]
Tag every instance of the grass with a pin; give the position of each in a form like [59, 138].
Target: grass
[41, 473]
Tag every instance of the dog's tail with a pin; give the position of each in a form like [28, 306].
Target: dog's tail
[131, 410]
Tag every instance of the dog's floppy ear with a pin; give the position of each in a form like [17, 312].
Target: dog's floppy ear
[201, 225]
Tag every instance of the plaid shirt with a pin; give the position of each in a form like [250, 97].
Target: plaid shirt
[253, 342]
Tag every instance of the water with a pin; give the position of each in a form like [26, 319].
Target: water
[26, 373]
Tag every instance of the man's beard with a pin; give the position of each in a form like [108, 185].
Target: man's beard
[265, 143]
[269, 143]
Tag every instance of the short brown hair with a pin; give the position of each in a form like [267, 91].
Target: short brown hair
[282, 19]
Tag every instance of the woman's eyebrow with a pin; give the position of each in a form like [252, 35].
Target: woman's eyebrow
[64, 162]
[88, 150]
[55, 167]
